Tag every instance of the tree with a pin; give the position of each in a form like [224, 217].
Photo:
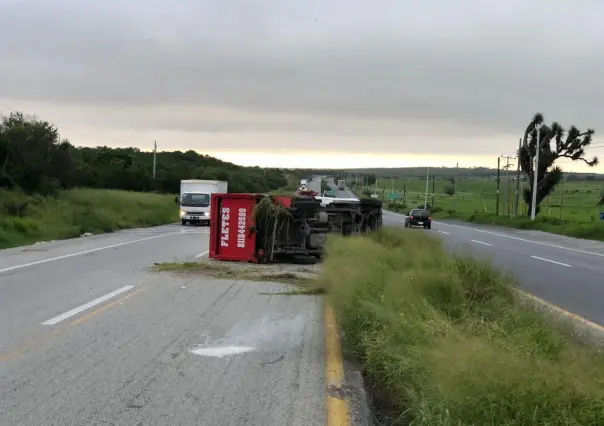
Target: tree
[34, 159]
[450, 190]
[554, 143]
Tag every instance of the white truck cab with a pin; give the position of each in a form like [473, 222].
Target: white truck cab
[195, 197]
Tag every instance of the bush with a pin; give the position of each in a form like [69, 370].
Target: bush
[446, 343]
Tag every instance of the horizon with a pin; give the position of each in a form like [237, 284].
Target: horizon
[307, 84]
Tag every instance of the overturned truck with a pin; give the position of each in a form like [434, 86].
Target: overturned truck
[266, 229]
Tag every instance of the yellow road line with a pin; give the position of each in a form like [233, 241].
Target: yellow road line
[105, 307]
[563, 312]
[27, 345]
[336, 404]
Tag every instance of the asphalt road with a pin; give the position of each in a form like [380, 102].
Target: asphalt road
[88, 335]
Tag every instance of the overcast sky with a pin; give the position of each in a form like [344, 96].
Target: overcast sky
[429, 82]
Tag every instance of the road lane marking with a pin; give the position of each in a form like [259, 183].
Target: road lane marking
[480, 242]
[103, 308]
[552, 261]
[86, 306]
[337, 405]
[443, 232]
[80, 253]
[27, 345]
[202, 254]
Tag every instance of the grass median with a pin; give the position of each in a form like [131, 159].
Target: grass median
[25, 219]
[445, 341]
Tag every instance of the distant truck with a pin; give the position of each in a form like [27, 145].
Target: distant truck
[194, 199]
[341, 184]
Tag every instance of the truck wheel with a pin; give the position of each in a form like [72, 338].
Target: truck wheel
[304, 260]
[370, 202]
[183, 222]
[307, 205]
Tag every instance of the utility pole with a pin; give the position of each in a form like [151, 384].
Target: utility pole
[562, 194]
[517, 195]
[536, 174]
[507, 177]
[433, 190]
[455, 185]
[497, 203]
[376, 185]
[427, 183]
[154, 157]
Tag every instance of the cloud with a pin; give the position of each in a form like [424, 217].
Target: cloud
[389, 73]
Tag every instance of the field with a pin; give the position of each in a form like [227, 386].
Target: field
[445, 341]
[25, 219]
[570, 210]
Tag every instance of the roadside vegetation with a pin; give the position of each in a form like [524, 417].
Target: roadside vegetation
[25, 219]
[571, 210]
[51, 189]
[444, 340]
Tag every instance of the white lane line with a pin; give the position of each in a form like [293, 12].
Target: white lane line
[85, 306]
[66, 256]
[202, 254]
[552, 261]
[523, 239]
[443, 232]
[480, 242]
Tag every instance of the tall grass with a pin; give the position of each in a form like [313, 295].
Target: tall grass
[446, 343]
[26, 219]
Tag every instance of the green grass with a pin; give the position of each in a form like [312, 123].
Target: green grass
[445, 341]
[25, 219]
[570, 210]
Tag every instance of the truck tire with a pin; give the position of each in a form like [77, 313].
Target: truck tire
[371, 202]
[306, 205]
[304, 260]
[183, 222]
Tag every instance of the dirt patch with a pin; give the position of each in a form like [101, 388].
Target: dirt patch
[305, 276]
[311, 291]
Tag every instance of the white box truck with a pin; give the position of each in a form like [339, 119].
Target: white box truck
[194, 199]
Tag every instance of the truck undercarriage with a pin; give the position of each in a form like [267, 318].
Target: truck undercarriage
[291, 229]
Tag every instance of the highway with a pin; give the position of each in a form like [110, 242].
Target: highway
[89, 335]
[567, 272]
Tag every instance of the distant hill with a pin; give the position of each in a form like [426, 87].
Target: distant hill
[444, 172]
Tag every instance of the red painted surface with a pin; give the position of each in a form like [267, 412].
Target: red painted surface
[284, 201]
[230, 236]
